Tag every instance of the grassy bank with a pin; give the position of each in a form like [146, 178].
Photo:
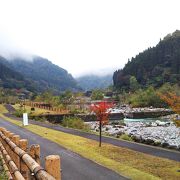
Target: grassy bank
[124, 161]
[3, 109]
[36, 112]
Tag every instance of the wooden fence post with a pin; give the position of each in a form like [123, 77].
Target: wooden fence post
[4, 142]
[35, 168]
[11, 135]
[34, 152]
[16, 158]
[8, 149]
[23, 144]
[1, 130]
[11, 151]
[53, 167]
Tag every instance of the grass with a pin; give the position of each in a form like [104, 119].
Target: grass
[3, 109]
[132, 164]
[126, 137]
[38, 111]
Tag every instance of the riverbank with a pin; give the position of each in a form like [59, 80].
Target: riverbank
[116, 113]
[153, 132]
[120, 159]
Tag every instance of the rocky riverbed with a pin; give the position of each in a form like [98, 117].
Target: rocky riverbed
[158, 133]
[146, 112]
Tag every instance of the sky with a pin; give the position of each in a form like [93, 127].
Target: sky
[85, 36]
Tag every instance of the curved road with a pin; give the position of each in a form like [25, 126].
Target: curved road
[74, 167]
[152, 150]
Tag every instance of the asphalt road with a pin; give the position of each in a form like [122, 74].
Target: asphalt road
[74, 167]
[151, 150]
[155, 151]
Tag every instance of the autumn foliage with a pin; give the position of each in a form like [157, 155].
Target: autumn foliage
[101, 111]
[172, 100]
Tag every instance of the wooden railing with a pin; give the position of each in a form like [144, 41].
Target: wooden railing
[36, 105]
[21, 163]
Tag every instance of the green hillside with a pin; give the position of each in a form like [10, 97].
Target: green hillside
[45, 74]
[155, 66]
[37, 75]
[11, 79]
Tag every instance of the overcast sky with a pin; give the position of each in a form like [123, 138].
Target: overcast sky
[84, 36]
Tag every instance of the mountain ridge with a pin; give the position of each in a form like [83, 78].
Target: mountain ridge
[42, 72]
[154, 66]
[9, 78]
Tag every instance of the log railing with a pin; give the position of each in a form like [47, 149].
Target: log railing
[48, 108]
[20, 163]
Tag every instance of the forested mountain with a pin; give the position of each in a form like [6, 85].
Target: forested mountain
[43, 74]
[9, 78]
[89, 82]
[155, 66]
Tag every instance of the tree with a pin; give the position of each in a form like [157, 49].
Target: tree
[45, 97]
[66, 98]
[97, 95]
[102, 114]
[145, 98]
[134, 85]
[154, 66]
[172, 100]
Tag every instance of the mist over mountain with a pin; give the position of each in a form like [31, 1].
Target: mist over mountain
[90, 82]
[9, 78]
[155, 66]
[43, 74]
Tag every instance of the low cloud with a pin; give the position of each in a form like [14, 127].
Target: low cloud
[10, 51]
[98, 72]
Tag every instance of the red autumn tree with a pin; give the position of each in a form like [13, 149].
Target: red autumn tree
[102, 114]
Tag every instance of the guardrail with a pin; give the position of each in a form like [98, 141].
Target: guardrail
[21, 163]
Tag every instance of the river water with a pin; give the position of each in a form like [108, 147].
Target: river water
[145, 120]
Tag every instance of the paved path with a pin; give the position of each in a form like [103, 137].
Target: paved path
[74, 167]
[10, 108]
[155, 151]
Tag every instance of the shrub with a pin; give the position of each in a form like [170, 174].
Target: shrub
[32, 109]
[19, 112]
[39, 118]
[75, 111]
[74, 122]
[126, 137]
